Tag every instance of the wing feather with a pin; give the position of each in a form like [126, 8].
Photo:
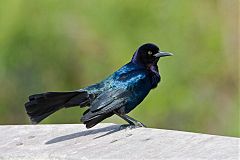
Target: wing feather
[106, 103]
[107, 98]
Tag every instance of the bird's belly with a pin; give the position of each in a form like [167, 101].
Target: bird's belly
[139, 92]
[139, 85]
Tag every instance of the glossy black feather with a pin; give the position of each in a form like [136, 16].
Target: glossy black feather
[97, 119]
[107, 98]
[42, 105]
[108, 108]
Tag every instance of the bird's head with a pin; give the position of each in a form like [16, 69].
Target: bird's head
[148, 54]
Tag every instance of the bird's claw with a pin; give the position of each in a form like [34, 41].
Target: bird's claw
[132, 126]
[125, 126]
[139, 124]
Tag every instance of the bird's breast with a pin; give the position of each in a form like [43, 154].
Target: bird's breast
[154, 74]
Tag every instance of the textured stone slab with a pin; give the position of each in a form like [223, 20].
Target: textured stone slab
[106, 141]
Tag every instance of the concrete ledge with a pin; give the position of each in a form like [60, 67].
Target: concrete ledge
[106, 141]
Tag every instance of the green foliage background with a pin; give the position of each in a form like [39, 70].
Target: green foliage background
[52, 45]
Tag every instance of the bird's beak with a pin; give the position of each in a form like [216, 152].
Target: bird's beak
[162, 54]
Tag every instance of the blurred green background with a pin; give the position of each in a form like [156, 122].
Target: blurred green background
[53, 45]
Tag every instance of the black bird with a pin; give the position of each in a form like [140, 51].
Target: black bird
[118, 94]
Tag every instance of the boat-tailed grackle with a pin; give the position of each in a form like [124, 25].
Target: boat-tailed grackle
[118, 94]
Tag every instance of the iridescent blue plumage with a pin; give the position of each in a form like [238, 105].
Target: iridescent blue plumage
[118, 94]
[133, 78]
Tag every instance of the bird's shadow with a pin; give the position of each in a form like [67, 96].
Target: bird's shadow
[109, 129]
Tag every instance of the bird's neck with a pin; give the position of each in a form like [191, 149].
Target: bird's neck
[152, 69]
[135, 59]
[155, 76]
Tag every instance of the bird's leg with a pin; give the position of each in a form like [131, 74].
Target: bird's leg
[132, 122]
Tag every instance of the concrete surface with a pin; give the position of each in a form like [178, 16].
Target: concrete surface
[106, 141]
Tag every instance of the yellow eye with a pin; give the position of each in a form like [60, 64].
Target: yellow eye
[149, 53]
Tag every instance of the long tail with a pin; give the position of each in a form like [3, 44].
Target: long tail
[42, 105]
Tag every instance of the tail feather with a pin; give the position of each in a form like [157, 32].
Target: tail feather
[42, 105]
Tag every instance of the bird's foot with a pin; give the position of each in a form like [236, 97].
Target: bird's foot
[139, 124]
[132, 126]
[127, 126]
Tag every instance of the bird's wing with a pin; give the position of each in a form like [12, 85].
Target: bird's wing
[118, 95]
[105, 103]
[110, 100]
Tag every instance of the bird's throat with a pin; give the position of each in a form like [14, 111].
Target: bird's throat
[153, 68]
